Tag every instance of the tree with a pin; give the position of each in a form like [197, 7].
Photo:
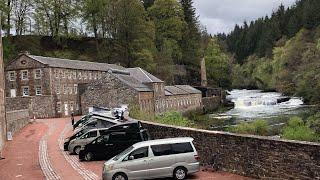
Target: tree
[147, 3]
[169, 22]
[21, 9]
[218, 66]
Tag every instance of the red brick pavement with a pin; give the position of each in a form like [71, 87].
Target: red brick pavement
[22, 156]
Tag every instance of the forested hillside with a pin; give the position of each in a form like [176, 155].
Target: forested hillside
[281, 52]
[158, 35]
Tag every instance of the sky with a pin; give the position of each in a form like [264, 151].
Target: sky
[220, 16]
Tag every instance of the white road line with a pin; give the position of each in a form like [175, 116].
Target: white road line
[44, 160]
[73, 160]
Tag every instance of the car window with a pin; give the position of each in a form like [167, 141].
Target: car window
[118, 137]
[90, 135]
[145, 135]
[181, 148]
[139, 153]
[161, 150]
[102, 139]
[107, 124]
[103, 132]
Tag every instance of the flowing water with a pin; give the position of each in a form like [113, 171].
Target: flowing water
[251, 105]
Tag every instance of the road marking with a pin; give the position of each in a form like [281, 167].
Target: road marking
[73, 160]
[44, 160]
[19, 164]
[17, 176]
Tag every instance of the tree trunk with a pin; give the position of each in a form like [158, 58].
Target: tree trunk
[9, 17]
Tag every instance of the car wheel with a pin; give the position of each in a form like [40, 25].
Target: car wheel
[88, 156]
[76, 150]
[120, 176]
[180, 173]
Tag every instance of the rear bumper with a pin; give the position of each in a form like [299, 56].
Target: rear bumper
[193, 168]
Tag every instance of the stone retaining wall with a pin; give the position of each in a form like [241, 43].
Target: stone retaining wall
[211, 103]
[253, 156]
[16, 120]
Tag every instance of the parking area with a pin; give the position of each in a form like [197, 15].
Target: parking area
[36, 152]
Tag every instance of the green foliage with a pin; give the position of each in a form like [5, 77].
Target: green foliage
[259, 127]
[174, 118]
[314, 123]
[298, 130]
[217, 64]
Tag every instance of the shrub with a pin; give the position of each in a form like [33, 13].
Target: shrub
[298, 130]
[259, 127]
[314, 123]
[174, 118]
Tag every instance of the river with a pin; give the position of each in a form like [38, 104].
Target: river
[251, 105]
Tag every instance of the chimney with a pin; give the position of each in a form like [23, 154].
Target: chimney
[204, 81]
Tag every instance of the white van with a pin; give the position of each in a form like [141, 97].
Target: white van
[175, 157]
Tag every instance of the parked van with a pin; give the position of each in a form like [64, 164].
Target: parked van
[107, 146]
[97, 122]
[162, 158]
[73, 143]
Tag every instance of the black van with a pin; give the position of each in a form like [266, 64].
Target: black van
[130, 127]
[107, 146]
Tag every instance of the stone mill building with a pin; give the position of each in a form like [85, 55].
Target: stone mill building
[53, 87]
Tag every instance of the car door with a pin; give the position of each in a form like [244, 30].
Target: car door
[136, 163]
[161, 163]
[114, 145]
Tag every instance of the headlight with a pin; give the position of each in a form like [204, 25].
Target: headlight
[107, 168]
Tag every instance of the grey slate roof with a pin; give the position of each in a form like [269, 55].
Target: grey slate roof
[180, 90]
[143, 76]
[74, 64]
[132, 82]
[189, 89]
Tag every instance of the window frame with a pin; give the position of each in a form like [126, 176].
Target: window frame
[36, 90]
[37, 76]
[22, 75]
[12, 78]
[23, 92]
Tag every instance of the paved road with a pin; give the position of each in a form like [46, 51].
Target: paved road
[37, 153]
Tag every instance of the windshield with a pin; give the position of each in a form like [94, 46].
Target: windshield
[80, 133]
[123, 153]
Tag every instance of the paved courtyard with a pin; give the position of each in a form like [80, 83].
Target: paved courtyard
[36, 152]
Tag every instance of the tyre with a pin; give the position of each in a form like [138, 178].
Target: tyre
[88, 156]
[120, 176]
[76, 150]
[180, 173]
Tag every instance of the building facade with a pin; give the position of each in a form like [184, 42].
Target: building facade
[53, 87]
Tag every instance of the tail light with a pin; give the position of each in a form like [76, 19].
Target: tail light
[196, 157]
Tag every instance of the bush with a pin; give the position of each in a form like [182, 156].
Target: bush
[314, 123]
[298, 130]
[174, 118]
[259, 127]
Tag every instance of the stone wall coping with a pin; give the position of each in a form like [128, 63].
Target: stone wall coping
[231, 134]
[16, 111]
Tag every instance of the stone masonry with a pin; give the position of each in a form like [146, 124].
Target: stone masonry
[253, 156]
[2, 99]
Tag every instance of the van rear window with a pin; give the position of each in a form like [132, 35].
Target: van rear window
[168, 149]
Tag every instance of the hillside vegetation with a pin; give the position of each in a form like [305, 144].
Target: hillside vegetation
[279, 53]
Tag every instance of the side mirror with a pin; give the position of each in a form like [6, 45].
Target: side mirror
[131, 157]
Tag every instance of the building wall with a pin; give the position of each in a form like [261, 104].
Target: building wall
[178, 103]
[252, 156]
[146, 101]
[107, 92]
[65, 84]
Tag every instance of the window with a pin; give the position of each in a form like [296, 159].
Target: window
[25, 91]
[65, 89]
[139, 153]
[161, 150]
[59, 107]
[74, 74]
[63, 74]
[69, 74]
[180, 148]
[58, 89]
[79, 75]
[90, 75]
[24, 75]
[56, 73]
[12, 76]
[38, 90]
[118, 137]
[75, 88]
[71, 106]
[37, 74]
[91, 134]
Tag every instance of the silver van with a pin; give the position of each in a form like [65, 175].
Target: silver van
[175, 157]
[89, 135]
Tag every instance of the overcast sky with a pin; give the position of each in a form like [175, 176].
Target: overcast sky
[222, 15]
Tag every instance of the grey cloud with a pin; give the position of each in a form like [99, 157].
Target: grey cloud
[222, 15]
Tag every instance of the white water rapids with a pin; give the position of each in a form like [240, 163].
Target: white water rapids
[254, 104]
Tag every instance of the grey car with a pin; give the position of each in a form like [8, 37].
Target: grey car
[175, 157]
